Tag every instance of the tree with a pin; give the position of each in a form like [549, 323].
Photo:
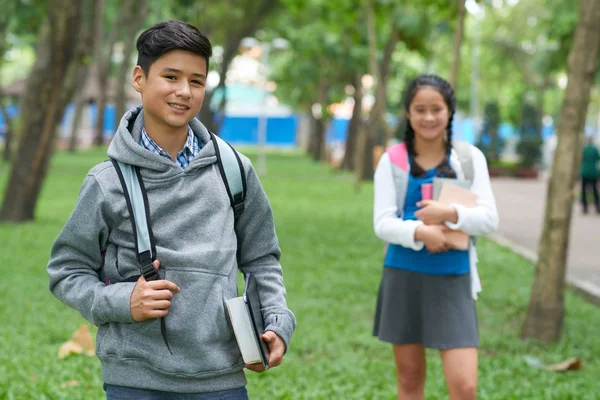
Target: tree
[226, 22]
[489, 139]
[134, 20]
[325, 55]
[546, 305]
[20, 26]
[409, 26]
[49, 88]
[376, 119]
[105, 43]
[530, 142]
[348, 163]
[458, 38]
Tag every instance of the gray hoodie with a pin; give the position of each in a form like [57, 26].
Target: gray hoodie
[192, 222]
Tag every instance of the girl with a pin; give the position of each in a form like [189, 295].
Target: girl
[427, 291]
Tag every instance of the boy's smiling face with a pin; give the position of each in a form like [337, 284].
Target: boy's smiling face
[173, 91]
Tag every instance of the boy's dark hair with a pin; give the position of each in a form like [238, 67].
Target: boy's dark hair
[445, 89]
[163, 37]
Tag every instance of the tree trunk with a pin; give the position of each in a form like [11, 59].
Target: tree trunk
[213, 120]
[376, 122]
[546, 306]
[79, 74]
[206, 115]
[318, 145]
[80, 105]
[134, 21]
[43, 103]
[104, 62]
[355, 120]
[458, 38]
[367, 169]
[316, 138]
[217, 118]
[99, 60]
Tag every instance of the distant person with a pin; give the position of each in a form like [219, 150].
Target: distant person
[590, 174]
[428, 289]
[95, 267]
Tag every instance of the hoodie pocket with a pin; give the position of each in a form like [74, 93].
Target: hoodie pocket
[198, 329]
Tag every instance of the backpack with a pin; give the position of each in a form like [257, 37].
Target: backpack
[399, 157]
[232, 172]
[400, 169]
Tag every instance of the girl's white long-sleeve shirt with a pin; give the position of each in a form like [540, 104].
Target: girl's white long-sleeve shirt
[476, 221]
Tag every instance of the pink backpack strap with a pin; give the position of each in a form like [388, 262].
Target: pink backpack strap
[399, 155]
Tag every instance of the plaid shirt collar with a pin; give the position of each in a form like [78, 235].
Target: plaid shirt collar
[190, 149]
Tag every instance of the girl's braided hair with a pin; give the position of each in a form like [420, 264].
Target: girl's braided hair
[445, 89]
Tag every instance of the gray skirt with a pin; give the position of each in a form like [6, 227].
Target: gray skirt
[437, 311]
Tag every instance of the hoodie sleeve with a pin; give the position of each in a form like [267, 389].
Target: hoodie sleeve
[76, 258]
[483, 218]
[260, 255]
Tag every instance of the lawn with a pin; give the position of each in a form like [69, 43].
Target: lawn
[332, 265]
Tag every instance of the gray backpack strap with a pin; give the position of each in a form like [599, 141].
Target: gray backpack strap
[401, 185]
[465, 157]
[232, 172]
[139, 212]
[137, 204]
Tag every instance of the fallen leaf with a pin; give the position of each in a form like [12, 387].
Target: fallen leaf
[534, 362]
[572, 364]
[69, 347]
[81, 342]
[69, 384]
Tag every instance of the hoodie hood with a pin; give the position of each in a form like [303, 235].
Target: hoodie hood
[125, 146]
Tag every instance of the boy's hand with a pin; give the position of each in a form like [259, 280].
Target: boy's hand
[276, 350]
[435, 213]
[151, 299]
[433, 237]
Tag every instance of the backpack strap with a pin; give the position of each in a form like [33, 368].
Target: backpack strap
[233, 175]
[399, 155]
[232, 172]
[465, 157]
[139, 212]
[137, 204]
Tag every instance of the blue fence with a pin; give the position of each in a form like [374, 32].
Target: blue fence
[281, 131]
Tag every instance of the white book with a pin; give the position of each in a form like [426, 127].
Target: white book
[242, 327]
[248, 326]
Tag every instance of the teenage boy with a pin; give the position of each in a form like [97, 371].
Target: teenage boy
[94, 267]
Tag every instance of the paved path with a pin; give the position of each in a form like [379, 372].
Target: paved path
[521, 205]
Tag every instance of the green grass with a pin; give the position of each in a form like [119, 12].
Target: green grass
[332, 265]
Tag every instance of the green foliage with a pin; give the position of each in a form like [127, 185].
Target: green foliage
[332, 281]
[530, 143]
[490, 141]
[529, 149]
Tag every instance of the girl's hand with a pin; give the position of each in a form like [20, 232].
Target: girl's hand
[435, 213]
[433, 237]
